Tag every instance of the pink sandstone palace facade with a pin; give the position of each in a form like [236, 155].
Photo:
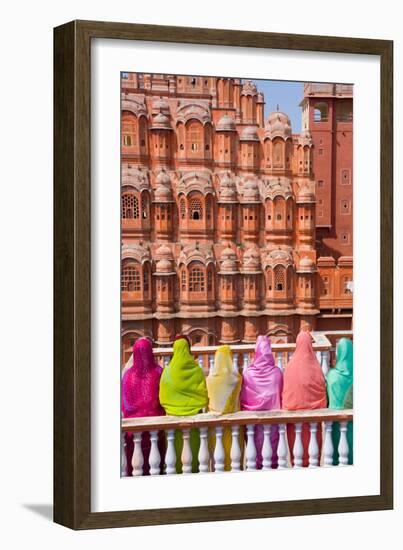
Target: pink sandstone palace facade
[233, 226]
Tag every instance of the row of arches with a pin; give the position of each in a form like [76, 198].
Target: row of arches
[197, 281]
[200, 212]
[194, 140]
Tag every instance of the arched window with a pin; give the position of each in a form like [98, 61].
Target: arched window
[279, 208]
[146, 278]
[127, 140]
[269, 279]
[183, 280]
[197, 338]
[209, 208]
[277, 153]
[306, 157]
[182, 208]
[196, 279]
[143, 135]
[131, 281]
[210, 280]
[321, 112]
[194, 137]
[279, 279]
[344, 111]
[195, 209]
[289, 209]
[207, 137]
[129, 129]
[289, 279]
[144, 206]
[130, 206]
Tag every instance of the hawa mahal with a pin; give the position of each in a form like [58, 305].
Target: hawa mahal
[232, 225]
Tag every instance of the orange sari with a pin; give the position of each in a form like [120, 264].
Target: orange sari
[304, 388]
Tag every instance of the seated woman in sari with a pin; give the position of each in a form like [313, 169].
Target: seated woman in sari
[223, 388]
[261, 391]
[304, 388]
[140, 388]
[339, 383]
[183, 392]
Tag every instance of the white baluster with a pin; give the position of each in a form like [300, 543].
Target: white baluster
[313, 448]
[343, 445]
[219, 453]
[200, 360]
[170, 455]
[186, 453]
[282, 448]
[280, 361]
[250, 448]
[137, 459]
[325, 362]
[123, 457]
[319, 357]
[235, 450]
[298, 449]
[245, 361]
[328, 449]
[203, 455]
[155, 457]
[211, 363]
[165, 360]
[267, 452]
[235, 362]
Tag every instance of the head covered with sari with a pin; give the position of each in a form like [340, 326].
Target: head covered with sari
[340, 378]
[183, 389]
[262, 381]
[140, 383]
[304, 384]
[223, 383]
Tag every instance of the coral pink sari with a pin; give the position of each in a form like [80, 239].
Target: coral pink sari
[140, 389]
[261, 391]
[304, 388]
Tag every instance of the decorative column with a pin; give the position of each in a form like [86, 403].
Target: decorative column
[249, 149]
[227, 208]
[165, 277]
[163, 207]
[306, 275]
[305, 217]
[250, 211]
[225, 137]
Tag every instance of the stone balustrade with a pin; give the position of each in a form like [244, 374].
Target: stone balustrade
[243, 422]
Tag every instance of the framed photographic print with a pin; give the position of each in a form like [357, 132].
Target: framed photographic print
[223, 275]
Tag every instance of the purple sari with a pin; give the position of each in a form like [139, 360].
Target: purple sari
[262, 386]
[140, 397]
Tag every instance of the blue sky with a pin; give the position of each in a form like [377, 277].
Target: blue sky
[287, 95]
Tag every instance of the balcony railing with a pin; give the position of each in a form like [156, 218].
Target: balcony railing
[323, 344]
[243, 422]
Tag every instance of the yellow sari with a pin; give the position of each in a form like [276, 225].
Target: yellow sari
[223, 388]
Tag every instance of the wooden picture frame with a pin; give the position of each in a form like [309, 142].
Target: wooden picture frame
[72, 272]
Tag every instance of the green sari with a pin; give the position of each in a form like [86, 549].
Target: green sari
[183, 392]
[339, 384]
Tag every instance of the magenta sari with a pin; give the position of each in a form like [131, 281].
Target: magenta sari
[140, 397]
[262, 387]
